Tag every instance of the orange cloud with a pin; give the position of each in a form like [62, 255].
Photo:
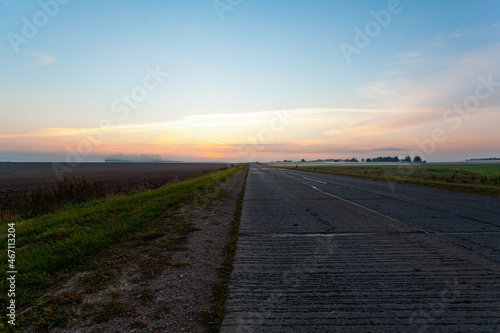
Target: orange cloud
[309, 133]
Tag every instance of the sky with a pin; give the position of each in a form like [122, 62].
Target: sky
[241, 80]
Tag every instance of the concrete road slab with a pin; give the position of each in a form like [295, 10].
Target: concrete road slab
[334, 256]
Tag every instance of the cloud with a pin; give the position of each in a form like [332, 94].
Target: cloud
[41, 58]
[408, 57]
[307, 132]
[440, 80]
[448, 38]
[241, 123]
[377, 90]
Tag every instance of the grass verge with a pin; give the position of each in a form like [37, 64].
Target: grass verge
[52, 247]
[214, 317]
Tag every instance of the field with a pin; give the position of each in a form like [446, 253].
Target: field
[23, 176]
[470, 177]
[18, 178]
[102, 238]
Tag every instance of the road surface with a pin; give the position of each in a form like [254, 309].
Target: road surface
[323, 253]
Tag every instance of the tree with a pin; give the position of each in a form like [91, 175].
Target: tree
[417, 159]
[303, 160]
[368, 160]
[385, 159]
[407, 159]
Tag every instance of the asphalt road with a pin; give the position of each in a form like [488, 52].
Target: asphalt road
[323, 253]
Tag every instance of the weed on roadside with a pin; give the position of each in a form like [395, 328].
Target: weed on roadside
[102, 311]
[96, 280]
[55, 310]
[144, 295]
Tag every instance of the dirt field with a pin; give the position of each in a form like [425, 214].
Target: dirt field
[17, 178]
[23, 176]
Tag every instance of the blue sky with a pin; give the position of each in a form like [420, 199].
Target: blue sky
[261, 57]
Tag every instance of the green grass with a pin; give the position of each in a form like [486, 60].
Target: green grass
[483, 179]
[52, 247]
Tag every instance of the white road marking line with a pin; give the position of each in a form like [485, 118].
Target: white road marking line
[370, 210]
[315, 180]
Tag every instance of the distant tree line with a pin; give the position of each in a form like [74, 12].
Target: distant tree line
[355, 160]
[407, 159]
[383, 159]
[485, 159]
